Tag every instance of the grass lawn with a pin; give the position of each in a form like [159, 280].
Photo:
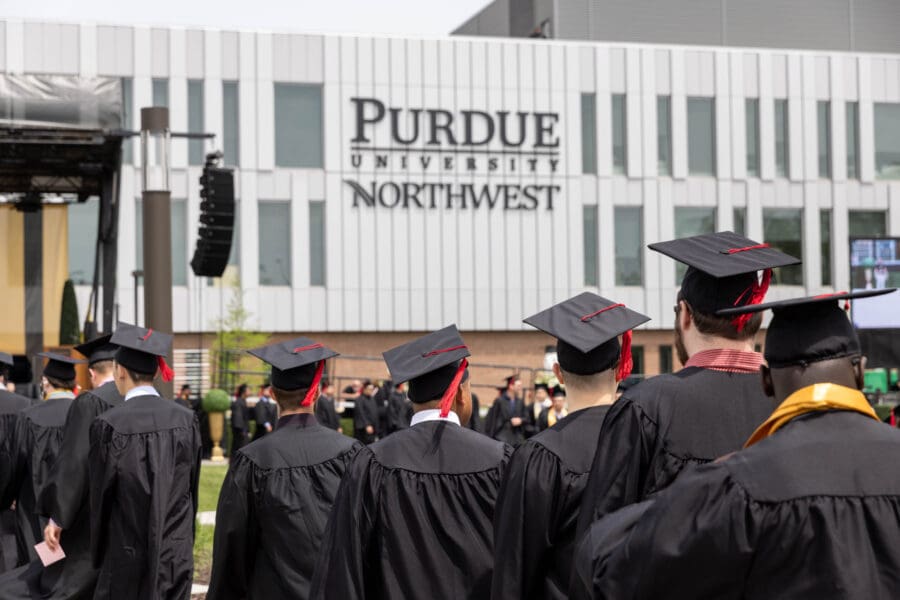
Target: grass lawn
[211, 478]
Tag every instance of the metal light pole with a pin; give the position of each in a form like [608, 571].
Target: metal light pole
[157, 221]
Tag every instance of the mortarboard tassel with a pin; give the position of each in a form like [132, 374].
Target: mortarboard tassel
[307, 400]
[893, 418]
[847, 305]
[450, 394]
[625, 361]
[164, 369]
[757, 294]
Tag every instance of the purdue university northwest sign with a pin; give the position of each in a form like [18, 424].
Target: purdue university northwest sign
[522, 147]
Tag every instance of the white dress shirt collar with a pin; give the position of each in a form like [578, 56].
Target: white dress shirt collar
[141, 390]
[433, 414]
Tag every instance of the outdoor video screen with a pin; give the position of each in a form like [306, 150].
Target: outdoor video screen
[875, 264]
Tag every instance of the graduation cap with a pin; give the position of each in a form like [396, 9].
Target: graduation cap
[296, 364]
[6, 359]
[587, 328]
[722, 271]
[541, 386]
[434, 365]
[98, 349]
[806, 330]
[60, 366]
[559, 391]
[143, 350]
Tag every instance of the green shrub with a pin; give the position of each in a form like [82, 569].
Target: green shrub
[216, 401]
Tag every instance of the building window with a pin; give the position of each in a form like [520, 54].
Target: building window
[637, 358]
[83, 220]
[740, 221]
[317, 242]
[665, 359]
[867, 223]
[161, 92]
[619, 134]
[298, 125]
[701, 136]
[274, 243]
[751, 119]
[629, 241]
[591, 248]
[825, 242]
[664, 135]
[589, 133]
[127, 119]
[195, 121]
[887, 141]
[782, 143]
[853, 140]
[783, 230]
[231, 124]
[823, 116]
[691, 221]
[178, 210]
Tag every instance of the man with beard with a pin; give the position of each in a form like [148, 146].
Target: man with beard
[710, 407]
[805, 510]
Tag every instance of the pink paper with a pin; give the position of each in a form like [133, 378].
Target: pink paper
[48, 556]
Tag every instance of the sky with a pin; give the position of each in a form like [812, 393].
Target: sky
[416, 17]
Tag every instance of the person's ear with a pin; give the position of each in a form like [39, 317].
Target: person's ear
[557, 370]
[767, 385]
[684, 315]
[859, 373]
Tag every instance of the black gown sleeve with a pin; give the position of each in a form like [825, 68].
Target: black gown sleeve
[620, 465]
[697, 537]
[236, 535]
[195, 474]
[65, 493]
[523, 522]
[12, 467]
[102, 487]
[343, 564]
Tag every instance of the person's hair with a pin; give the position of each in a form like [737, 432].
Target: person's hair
[289, 399]
[240, 390]
[4, 372]
[61, 384]
[140, 378]
[587, 383]
[186, 386]
[103, 367]
[724, 327]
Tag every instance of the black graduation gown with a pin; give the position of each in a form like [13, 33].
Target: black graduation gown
[534, 524]
[664, 425]
[264, 412]
[413, 516]
[64, 498]
[365, 413]
[501, 428]
[475, 420]
[399, 412]
[10, 406]
[240, 424]
[805, 513]
[144, 472]
[37, 439]
[326, 414]
[273, 509]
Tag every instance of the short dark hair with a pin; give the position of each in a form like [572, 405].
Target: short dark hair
[724, 327]
[102, 366]
[61, 384]
[140, 377]
[289, 399]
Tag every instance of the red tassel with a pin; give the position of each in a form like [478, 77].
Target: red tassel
[165, 370]
[625, 361]
[893, 419]
[847, 305]
[757, 294]
[308, 398]
[450, 394]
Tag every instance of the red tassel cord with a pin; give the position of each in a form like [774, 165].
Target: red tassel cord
[450, 394]
[626, 364]
[165, 370]
[757, 293]
[311, 392]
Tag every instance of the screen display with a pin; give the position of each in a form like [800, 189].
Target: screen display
[875, 264]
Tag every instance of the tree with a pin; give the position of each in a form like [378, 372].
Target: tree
[233, 337]
[69, 330]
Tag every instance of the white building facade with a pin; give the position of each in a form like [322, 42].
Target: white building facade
[393, 184]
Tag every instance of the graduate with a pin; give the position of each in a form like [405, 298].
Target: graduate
[144, 468]
[10, 406]
[413, 514]
[507, 418]
[806, 510]
[670, 422]
[35, 445]
[534, 523]
[279, 490]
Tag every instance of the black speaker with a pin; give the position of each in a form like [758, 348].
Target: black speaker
[216, 222]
